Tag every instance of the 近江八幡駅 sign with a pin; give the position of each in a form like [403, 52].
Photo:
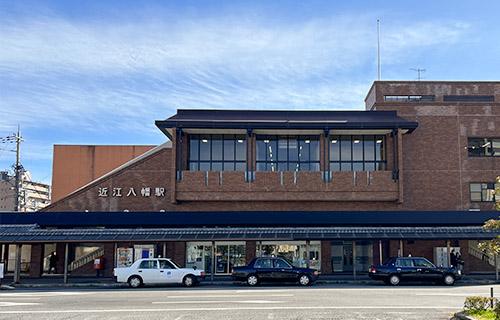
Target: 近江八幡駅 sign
[130, 192]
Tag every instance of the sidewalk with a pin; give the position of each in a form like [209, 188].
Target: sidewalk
[57, 280]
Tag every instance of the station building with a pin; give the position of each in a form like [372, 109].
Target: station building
[332, 190]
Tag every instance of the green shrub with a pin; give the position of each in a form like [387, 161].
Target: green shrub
[497, 311]
[480, 303]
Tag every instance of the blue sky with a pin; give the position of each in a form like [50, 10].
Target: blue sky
[101, 72]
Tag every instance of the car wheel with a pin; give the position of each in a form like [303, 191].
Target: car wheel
[394, 279]
[304, 279]
[252, 280]
[135, 282]
[189, 281]
[448, 279]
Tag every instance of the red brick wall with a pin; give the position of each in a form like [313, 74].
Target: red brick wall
[36, 263]
[326, 257]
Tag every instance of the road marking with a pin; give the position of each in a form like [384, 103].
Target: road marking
[450, 294]
[15, 304]
[40, 294]
[223, 309]
[216, 301]
[230, 296]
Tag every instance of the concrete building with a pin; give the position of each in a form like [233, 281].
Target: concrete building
[332, 190]
[34, 196]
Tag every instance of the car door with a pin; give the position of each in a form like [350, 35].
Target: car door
[406, 269]
[284, 271]
[168, 272]
[264, 268]
[426, 271]
[148, 270]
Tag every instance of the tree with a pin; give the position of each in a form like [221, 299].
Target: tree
[493, 246]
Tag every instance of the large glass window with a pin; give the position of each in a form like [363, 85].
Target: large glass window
[287, 153]
[357, 153]
[482, 192]
[217, 152]
[226, 254]
[483, 147]
[293, 251]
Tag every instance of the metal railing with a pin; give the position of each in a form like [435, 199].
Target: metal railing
[85, 259]
[478, 253]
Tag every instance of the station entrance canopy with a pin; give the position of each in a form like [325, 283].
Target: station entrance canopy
[34, 234]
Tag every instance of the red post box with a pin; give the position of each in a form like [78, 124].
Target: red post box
[99, 263]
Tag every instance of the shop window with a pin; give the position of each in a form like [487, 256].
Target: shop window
[287, 153]
[482, 192]
[483, 147]
[217, 152]
[357, 153]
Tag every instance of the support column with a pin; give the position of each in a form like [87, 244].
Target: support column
[495, 256]
[6, 258]
[448, 252]
[17, 266]
[354, 258]
[308, 253]
[36, 265]
[66, 251]
[380, 252]
[401, 248]
[213, 262]
[164, 250]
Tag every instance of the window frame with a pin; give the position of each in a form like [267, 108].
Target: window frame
[379, 161]
[489, 140]
[278, 165]
[224, 164]
[490, 187]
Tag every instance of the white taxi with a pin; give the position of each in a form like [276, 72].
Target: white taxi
[155, 271]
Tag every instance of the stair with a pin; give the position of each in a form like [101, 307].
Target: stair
[85, 259]
[475, 252]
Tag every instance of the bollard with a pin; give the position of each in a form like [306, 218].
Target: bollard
[491, 294]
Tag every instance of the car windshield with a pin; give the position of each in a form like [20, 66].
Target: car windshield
[421, 262]
[175, 264]
[278, 263]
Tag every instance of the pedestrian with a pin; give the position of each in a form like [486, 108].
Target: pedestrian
[460, 262]
[453, 259]
[53, 262]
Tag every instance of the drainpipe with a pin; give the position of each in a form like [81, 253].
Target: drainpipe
[395, 171]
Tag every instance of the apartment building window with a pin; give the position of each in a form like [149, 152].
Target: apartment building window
[357, 153]
[217, 152]
[483, 147]
[469, 98]
[482, 192]
[415, 98]
[287, 153]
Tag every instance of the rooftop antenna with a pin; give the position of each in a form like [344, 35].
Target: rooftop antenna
[418, 71]
[378, 41]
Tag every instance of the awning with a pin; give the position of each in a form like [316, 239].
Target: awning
[262, 119]
[34, 234]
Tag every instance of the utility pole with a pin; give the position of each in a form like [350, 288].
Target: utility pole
[18, 168]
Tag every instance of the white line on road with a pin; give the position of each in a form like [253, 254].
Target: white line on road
[224, 309]
[15, 304]
[215, 301]
[231, 296]
[40, 294]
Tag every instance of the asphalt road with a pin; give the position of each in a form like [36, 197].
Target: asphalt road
[240, 302]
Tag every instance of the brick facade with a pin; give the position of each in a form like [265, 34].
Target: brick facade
[433, 163]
